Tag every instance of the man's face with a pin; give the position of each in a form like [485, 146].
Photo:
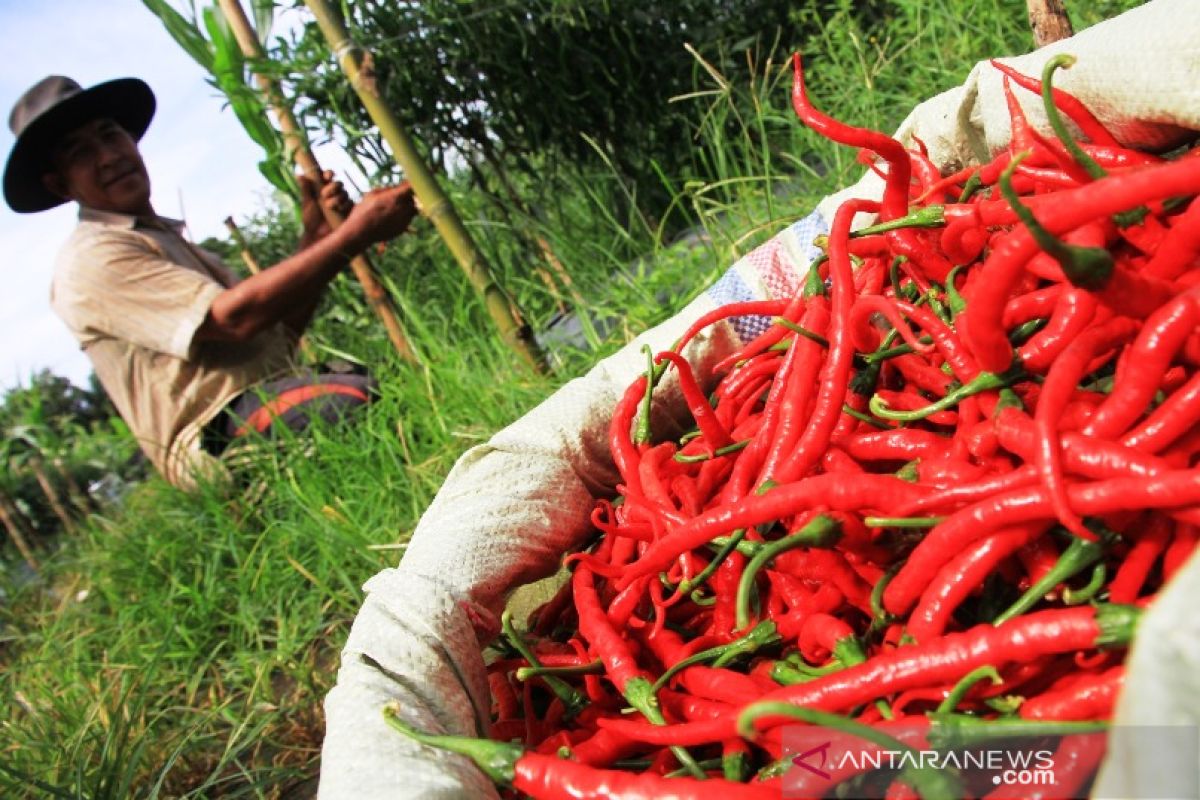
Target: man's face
[98, 165]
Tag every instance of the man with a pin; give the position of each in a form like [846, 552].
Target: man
[186, 351]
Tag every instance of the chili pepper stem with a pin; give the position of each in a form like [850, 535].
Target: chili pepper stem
[965, 684]
[822, 531]
[496, 759]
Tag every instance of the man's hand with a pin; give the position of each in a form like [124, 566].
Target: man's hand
[314, 200]
[381, 214]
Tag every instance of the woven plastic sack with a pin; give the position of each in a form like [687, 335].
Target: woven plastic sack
[512, 507]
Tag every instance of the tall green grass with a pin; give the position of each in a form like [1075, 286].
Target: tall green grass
[183, 643]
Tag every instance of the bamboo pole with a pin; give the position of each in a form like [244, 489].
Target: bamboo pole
[299, 151]
[306, 348]
[243, 246]
[433, 201]
[79, 498]
[52, 496]
[1049, 21]
[17, 530]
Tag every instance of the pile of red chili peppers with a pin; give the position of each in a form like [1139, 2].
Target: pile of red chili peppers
[937, 490]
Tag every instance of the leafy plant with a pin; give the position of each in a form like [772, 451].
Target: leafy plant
[219, 55]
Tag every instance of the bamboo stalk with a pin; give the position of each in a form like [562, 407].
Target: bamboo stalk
[1049, 21]
[17, 529]
[306, 348]
[243, 246]
[298, 150]
[52, 497]
[434, 203]
[79, 498]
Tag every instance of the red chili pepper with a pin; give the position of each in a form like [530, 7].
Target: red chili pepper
[1149, 358]
[835, 376]
[1180, 246]
[1090, 697]
[1167, 490]
[714, 432]
[832, 491]
[962, 575]
[1064, 375]
[1067, 103]
[979, 324]
[1183, 544]
[938, 662]
[895, 196]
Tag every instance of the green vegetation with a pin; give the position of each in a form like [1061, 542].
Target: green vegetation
[181, 645]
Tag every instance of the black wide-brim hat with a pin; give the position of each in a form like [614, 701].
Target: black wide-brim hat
[53, 107]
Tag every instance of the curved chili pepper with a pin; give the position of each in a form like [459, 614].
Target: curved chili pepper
[1149, 357]
[941, 661]
[1064, 375]
[962, 575]
[1090, 697]
[1068, 103]
[547, 777]
[1167, 490]
[1000, 272]
[1151, 542]
[800, 391]
[750, 308]
[835, 376]
[1180, 246]
[715, 435]
[895, 195]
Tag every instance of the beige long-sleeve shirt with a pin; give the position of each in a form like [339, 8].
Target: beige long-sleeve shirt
[134, 292]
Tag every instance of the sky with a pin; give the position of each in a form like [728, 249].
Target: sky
[202, 165]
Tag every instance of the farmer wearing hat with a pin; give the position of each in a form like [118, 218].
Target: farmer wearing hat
[191, 356]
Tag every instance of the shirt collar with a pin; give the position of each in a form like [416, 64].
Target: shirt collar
[126, 221]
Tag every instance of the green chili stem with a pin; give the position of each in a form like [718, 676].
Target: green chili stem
[1054, 116]
[879, 615]
[735, 766]
[1005, 704]
[786, 673]
[706, 764]
[956, 301]
[1075, 597]
[982, 382]
[1086, 267]
[903, 522]
[760, 635]
[572, 698]
[720, 451]
[821, 531]
[496, 759]
[1025, 331]
[1079, 555]
[642, 432]
[861, 417]
[931, 216]
[974, 182]
[641, 695]
[965, 684]
[591, 668]
[813, 285]
[802, 331]
[962, 730]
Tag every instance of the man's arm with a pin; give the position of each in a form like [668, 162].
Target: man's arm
[291, 288]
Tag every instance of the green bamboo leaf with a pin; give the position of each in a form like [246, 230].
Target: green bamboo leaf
[184, 32]
[264, 17]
